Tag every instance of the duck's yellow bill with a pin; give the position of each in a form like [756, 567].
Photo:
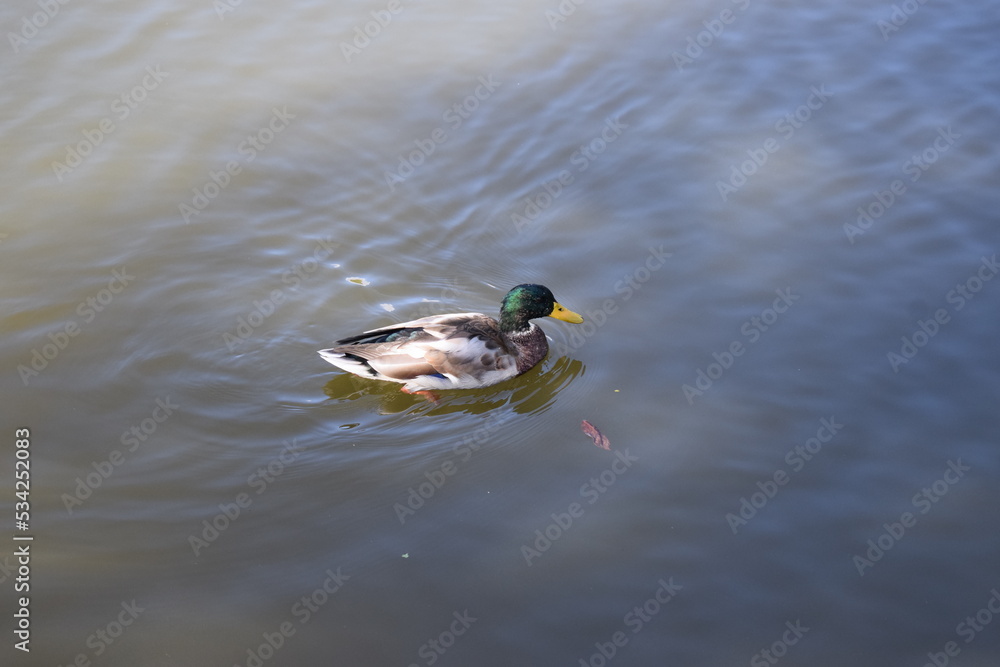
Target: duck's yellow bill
[562, 313]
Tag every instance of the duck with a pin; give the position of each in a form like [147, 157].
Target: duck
[456, 350]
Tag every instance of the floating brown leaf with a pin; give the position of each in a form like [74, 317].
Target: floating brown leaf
[599, 438]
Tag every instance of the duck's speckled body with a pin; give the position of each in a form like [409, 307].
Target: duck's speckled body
[458, 350]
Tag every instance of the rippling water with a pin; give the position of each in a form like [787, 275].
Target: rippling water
[779, 222]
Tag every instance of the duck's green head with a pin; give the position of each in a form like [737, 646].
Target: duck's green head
[526, 302]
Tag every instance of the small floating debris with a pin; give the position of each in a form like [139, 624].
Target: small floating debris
[599, 438]
[388, 306]
[358, 281]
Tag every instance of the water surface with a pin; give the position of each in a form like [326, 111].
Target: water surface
[198, 199]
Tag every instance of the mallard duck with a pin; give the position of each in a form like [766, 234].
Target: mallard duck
[458, 350]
